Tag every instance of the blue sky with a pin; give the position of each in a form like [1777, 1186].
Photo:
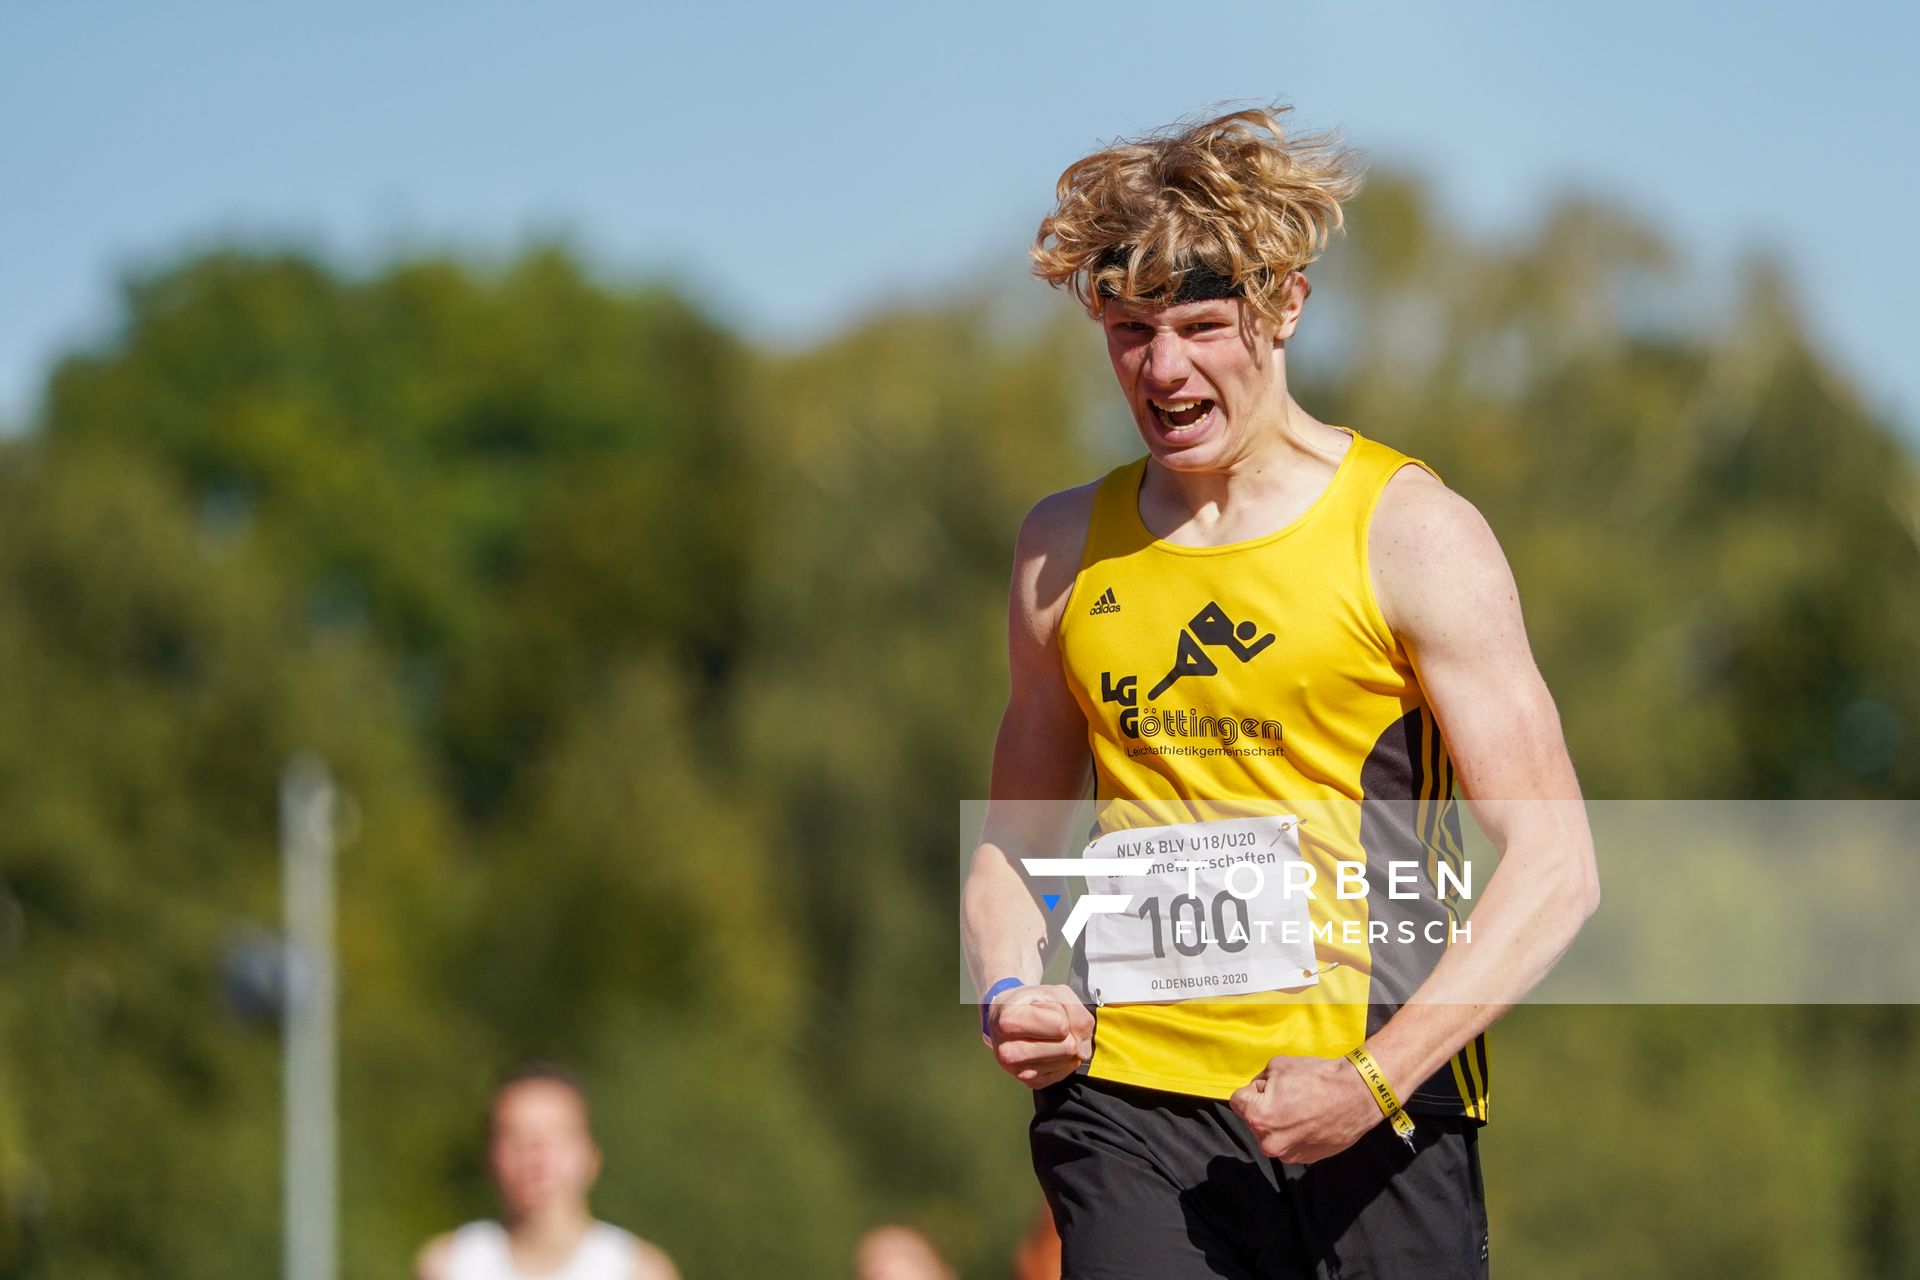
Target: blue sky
[797, 166]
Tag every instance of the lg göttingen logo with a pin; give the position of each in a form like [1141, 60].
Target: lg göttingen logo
[1208, 638]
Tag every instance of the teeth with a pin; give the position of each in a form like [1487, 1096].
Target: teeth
[1177, 406]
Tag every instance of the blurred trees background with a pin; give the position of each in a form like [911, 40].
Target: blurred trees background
[656, 666]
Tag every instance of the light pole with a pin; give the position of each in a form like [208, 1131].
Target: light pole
[308, 1108]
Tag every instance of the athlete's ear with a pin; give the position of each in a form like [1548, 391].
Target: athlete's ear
[1295, 289]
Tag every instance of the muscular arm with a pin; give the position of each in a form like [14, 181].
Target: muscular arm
[1039, 755]
[1447, 592]
[1445, 589]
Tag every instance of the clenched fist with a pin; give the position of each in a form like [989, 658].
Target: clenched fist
[1040, 1034]
[1306, 1109]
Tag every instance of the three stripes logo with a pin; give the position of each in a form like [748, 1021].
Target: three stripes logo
[1106, 603]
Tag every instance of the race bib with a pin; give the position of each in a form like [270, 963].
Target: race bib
[1209, 913]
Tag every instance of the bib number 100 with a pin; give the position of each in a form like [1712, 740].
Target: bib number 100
[1207, 915]
[1189, 917]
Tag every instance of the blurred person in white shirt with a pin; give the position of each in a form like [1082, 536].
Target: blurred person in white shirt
[543, 1160]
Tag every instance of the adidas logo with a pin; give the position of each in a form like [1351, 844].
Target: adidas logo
[1106, 603]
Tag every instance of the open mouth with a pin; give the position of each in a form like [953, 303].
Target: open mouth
[1181, 415]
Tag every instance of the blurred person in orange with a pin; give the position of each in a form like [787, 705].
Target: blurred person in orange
[543, 1161]
[894, 1252]
[1037, 1257]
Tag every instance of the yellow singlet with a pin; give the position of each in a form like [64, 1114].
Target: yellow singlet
[1264, 671]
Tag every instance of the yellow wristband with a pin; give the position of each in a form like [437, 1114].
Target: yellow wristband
[1382, 1093]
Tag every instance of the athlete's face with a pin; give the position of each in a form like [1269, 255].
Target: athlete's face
[540, 1151]
[1202, 378]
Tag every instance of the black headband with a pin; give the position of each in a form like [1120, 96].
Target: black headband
[1198, 283]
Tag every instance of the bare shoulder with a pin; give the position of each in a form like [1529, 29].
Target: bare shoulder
[1434, 556]
[650, 1262]
[432, 1261]
[1047, 555]
[1057, 524]
[1416, 512]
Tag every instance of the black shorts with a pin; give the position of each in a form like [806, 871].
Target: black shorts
[1150, 1185]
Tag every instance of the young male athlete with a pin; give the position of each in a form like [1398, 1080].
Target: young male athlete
[544, 1162]
[1274, 635]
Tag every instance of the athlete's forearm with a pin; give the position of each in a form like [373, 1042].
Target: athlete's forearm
[1002, 927]
[1533, 906]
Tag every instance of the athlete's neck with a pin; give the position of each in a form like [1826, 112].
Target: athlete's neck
[544, 1239]
[1277, 474]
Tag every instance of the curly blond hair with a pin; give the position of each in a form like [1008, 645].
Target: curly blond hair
[1232, 196]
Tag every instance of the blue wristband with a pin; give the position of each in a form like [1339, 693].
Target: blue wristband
[986, 1001]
